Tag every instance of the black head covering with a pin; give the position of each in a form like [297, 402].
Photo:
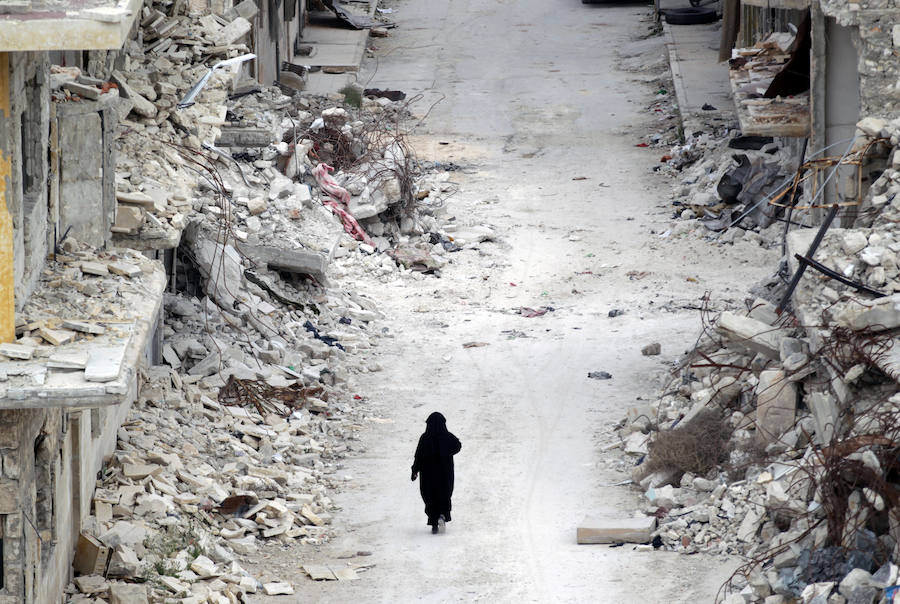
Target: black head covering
[437, 423]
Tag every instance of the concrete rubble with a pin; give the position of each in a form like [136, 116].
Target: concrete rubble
[234, 441]
[802, 408]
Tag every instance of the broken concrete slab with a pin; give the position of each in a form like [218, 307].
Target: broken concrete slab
[84, 327]
[91, 584]
[244, 137]
[750, 334]
[17, 351]
[292, 261]
[57, 337]
[233, 32]
[616, 530]
[104, 363]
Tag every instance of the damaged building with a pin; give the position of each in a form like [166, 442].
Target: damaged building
[798, 392]
[74, 331]
[803, 73]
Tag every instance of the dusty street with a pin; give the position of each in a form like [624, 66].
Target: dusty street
[538, 113]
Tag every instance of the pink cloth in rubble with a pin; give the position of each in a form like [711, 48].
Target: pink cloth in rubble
[340, 198]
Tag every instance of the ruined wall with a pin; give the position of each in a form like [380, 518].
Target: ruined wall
[50, 460]
[27, 145]
[21, 544]
[877, 39]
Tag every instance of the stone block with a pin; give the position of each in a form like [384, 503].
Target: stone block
[233, 32]
[17, 351]
[244, 137]
[776, 404]
[246, 9]
[125, 269]
[129, 218]
[763, 311]
[56, 337]
[651, 349]
[878, 315]
[94, 268]
[127, 593]
[825, 412]
[9, 497]
[140, 105]
[750, 334]
[87, 92]
[104, 363]
[616, 530]
[91, 584]
[84, 327]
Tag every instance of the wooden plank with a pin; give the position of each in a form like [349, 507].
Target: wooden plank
[319, 572]
[616, 530]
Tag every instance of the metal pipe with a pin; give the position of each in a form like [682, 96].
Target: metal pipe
[839, 277]
[785, 300]
[188, 99]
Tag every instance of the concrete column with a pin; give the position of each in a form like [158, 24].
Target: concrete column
[7, 282]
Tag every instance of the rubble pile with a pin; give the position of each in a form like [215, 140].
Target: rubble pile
[714, 192]
[196, 483]
[280, 205]
[778, 438]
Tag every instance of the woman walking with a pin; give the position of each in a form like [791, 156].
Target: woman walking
[434, 465]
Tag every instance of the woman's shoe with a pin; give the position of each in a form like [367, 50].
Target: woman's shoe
[434, 529]
[441, 525]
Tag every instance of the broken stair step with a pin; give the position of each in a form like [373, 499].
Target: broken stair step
[616, 530]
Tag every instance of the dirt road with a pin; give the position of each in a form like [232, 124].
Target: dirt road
[544, 124]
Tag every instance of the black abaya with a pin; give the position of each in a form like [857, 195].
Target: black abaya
[434, 465]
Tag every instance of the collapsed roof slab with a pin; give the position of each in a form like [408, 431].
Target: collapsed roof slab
[85, 25]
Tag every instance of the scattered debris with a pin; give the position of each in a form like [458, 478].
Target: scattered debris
[599, 375]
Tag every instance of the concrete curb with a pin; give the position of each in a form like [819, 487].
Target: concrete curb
[691, 120]
[675, 70]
